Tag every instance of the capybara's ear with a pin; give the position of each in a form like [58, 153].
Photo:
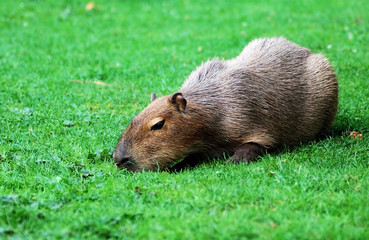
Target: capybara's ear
[178, 101]
[153, 96]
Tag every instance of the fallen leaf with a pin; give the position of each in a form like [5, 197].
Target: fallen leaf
[355, 135]
[99, 83]
[90, 6]
[73, 80]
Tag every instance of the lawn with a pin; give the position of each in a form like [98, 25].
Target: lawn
[73, 76]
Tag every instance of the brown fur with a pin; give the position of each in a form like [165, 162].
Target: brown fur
[274, 93]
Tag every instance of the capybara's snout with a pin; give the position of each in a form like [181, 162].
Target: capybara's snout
[122, 157]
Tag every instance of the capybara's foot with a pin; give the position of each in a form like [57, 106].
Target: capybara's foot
[246, 153]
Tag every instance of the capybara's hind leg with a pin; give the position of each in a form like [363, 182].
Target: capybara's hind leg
[247, 153]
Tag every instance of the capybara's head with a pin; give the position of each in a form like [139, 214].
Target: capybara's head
[160, 136]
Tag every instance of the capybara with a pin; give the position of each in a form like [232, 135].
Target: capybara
[275, 93]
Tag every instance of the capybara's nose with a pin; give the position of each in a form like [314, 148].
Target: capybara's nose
[119, 156]
[122, 159]
[122, 163]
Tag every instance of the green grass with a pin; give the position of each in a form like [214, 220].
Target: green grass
[57, 179]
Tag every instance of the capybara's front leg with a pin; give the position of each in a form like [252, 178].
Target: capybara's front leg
[247, 153]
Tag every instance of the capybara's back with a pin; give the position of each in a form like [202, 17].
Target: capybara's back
[274, 93]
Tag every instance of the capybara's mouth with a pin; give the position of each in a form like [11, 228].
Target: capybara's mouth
[129, 165]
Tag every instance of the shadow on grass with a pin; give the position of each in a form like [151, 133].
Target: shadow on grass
[188, 163]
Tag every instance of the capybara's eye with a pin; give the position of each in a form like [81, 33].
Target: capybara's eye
[158, 125]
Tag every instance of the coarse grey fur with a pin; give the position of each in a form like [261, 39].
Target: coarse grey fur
[274, 93]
